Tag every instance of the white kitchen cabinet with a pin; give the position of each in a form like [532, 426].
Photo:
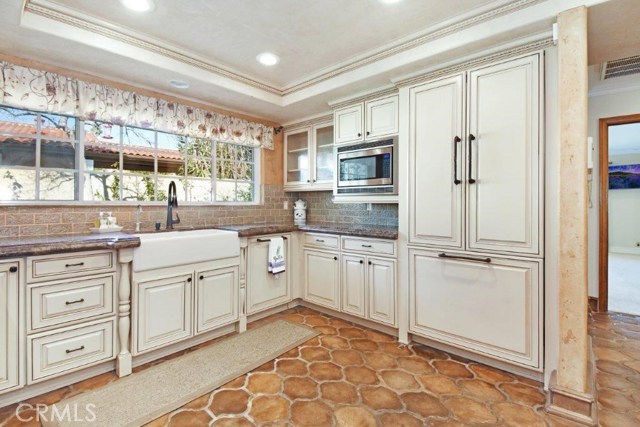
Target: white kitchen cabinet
[366, 120]
[436, 163]
[354, 284]
[322, 278]
[476, 185]
[264, 289]
[369, 287]
[9, 326]
[164, 311]
[216, 298]
[488, 305]
[381, 274]
[309, 162]
[381, 116]
[504, 149]
[348, 124]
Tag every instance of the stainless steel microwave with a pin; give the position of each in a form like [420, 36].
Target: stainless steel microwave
[369, 168]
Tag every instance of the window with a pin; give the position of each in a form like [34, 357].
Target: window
[52, 157]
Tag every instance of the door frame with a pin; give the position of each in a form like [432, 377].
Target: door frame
[603, 270]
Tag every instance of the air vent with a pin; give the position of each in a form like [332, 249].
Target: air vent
[621, 67]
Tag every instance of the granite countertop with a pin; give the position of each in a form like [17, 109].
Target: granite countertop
[43, 245]
[252, 230]
[27, 246]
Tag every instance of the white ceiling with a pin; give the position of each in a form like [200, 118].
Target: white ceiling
[329, 49]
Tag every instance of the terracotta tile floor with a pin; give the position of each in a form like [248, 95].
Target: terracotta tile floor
[616, 343]
[354, 376]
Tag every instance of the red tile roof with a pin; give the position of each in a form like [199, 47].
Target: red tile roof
[91, 141]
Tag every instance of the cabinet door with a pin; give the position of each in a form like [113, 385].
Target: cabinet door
[324, 162]
[164, 311]
[322, 278]
[216, 298]
[381, 281]
[490, 308]
[504, 206]
[354, 285]
[265, 290]
[348, 124]
[297, 161]
[381, 117]
[436, 153]
[9, 333]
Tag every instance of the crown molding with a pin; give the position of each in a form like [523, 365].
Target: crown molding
[64, 15]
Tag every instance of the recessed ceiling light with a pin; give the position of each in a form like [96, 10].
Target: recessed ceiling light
[138, 5]
[179, 84]
[268, 59]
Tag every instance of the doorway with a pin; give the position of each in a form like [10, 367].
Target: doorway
[619, 276]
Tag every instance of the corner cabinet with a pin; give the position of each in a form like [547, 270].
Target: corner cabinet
[367, 120]
[9, 326]
[308, 158]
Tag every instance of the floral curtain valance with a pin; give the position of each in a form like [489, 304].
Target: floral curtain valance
[33, 89]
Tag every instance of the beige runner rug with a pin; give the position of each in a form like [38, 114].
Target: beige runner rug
[144, 396]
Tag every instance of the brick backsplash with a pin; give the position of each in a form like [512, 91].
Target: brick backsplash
[320, 208]
[21, 221]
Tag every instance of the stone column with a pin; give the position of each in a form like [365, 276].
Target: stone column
[570, 391]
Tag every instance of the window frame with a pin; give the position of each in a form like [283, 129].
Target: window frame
[82, 172]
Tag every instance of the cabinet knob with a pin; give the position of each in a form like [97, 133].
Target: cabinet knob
[189, 279]
[314, 180]
[335, 258]
[13, 269]
[368, 133]
[370, 263]
[359, 135]
[308, 180]
[361, 262]
[201, 277]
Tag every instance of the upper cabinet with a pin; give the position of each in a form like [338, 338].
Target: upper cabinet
[366, 120]
[308, 162]
[476, 184]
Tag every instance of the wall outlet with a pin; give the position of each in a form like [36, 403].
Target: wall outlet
[285, 205]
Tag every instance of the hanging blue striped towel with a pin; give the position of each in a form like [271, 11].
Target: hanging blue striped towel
[277, 262]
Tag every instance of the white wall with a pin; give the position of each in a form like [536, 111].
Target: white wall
[607, 105]
[624, 210]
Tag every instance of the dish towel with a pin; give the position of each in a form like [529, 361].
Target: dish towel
[276, 255]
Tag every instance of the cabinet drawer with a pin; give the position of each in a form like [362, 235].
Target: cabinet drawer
[54, 354]
[51, 267]
[54, 304]
[321, 240]
[372, 246]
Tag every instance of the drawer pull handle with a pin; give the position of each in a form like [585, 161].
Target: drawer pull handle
[320, 240]
[367, 246]
[78, 301]
[75, 349]
[78, 264]
[466, 258]
[268, 240]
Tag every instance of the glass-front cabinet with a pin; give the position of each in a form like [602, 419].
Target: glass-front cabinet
[309, 163]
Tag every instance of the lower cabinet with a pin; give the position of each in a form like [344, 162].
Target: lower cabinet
[9, 332]
[164, 311]
[264, 289]
[492, 308]
[322, 278]
[216, 298]
[368, 288]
